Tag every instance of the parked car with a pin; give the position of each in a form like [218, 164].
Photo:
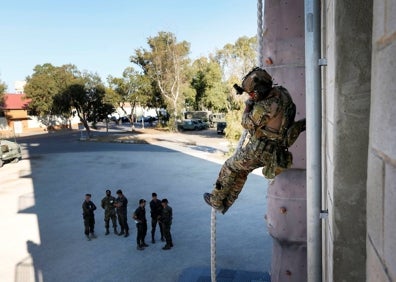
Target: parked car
[189, 124]
[10, 152]
[146, 119]
[214, 118]
[221, 125]
[201, 123]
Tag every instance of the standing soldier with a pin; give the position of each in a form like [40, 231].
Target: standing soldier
[141, 224]
[89, 218]
[155, 210]
[121, 204]
[109, 206]
[166, 221]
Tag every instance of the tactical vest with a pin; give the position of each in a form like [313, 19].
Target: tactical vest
[276, 129]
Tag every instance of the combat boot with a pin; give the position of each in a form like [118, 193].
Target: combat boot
[121, 233]
[115, 231]
[166, 247]
[208, 199]
[107, 231]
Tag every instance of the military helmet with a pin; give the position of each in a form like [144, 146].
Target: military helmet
[257, 80]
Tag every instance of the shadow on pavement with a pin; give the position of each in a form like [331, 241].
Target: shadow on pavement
[63, 169]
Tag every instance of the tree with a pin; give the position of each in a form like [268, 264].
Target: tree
[132, 88]
[165, 64]
[85, 97]
[238, 59]
[3, 88]
[46, 82]
[208, 85]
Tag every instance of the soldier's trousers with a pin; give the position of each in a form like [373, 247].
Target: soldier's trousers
[89, 224]
[235, 170]
[141, 232]
[167, 234]
[113, 218]
[154, 222]
[123, 221]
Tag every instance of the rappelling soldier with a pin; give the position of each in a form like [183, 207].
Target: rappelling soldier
[269, 119]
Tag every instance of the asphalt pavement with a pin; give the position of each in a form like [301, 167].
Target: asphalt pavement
[42, 229]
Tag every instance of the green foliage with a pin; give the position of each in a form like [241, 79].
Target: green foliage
[166, 66]
[86, 98]
[210, 90]
[238, 59]
[234, 129]
[3, 88]
[46, 82]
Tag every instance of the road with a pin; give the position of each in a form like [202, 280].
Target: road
[41, 222]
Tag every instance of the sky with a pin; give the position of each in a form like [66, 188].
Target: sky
[100, 35]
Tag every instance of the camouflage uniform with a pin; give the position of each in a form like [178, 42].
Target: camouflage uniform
[122, 206]
[271, 126]
[166, 221]
[108, 204]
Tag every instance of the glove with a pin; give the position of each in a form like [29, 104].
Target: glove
[249, 103]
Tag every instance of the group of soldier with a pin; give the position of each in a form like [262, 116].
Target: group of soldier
[116, 208]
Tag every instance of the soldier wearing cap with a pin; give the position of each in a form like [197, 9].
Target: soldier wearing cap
[269, 119]
[122, 210]
[109, 205]
[88, 208]
[141, 224]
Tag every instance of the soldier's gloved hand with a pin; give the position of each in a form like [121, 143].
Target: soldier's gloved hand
[249, 105]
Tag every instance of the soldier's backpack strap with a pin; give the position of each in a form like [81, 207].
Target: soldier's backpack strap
[289, 110]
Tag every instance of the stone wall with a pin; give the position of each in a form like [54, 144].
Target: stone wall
[381, 183]
[346, 99]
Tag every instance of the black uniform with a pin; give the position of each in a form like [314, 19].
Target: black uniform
[141, 226]
[155, 210]
[89, 217]
[122, 204]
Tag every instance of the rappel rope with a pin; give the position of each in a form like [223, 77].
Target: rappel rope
[260, 31]
[213, 245]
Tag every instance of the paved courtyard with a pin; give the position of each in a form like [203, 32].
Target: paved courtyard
[41, 199]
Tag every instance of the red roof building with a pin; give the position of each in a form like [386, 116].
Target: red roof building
[15, 109]
[15, 102]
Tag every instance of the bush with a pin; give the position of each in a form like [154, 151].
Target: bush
[234, 129]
